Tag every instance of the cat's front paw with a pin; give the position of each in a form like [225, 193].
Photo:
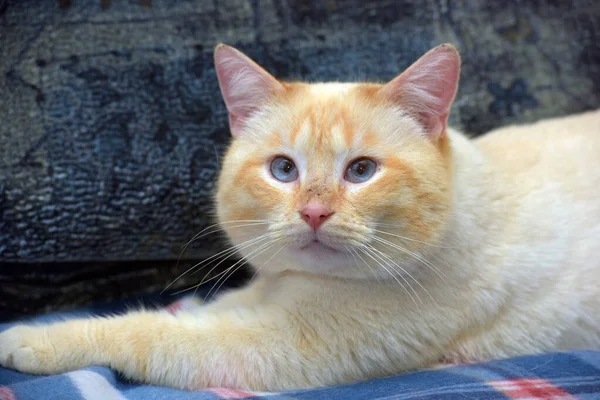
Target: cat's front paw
[30, 349]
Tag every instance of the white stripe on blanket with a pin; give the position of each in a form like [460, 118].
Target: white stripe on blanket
[94, 386]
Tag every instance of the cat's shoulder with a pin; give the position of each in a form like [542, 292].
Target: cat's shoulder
[575, 124]
[561, 147]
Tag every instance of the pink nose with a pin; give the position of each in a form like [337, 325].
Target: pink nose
[315, 214]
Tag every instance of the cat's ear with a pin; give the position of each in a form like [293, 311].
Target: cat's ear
[245, 86]
[427, 88]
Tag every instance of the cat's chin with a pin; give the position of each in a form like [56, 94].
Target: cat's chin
[318, 250]
[316, 256]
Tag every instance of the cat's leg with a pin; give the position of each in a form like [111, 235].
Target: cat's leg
[255, 350]
[296, 340]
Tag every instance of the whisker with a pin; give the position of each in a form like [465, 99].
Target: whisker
[223, 228]
[416, 256]
[201, 283]
[229, 251]
[403, 270]
[365, 262]
[236, 248]
[268, 260]
[258, 240]
[353, 261]
[379, 261]
[262, 221]
[363, 248]
[261, 249]
[348, 255]
[409, 239]
[204, 280]
[197, 236]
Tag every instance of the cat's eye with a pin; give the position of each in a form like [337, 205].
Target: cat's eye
[283, 169]
[360, 170]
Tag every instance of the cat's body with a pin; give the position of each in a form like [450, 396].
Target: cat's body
[449, 249]
[533, 239]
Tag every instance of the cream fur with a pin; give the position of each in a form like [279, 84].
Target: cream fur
[518, 264]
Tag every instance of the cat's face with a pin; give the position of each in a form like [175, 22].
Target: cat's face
[336, 179]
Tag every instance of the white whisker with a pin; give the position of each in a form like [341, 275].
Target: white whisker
[229, 251]
[389, 268]
[365, 262]
[409, 239]
[236, 249]
[403, 271]
[364, 250]
[220, 229]
[197, 236]
[232, 251]
[261, 249]
[416, 256]
[268, 260]
[261, 221]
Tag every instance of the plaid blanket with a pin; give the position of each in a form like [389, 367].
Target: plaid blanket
[557, 376]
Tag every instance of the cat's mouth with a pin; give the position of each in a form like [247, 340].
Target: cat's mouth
[317, 245]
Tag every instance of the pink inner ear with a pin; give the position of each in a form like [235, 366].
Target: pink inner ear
[427, 88]
[245, 86]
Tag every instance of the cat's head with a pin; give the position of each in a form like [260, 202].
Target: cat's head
[345, 179]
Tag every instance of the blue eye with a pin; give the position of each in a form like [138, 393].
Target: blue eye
[360, 170]
[283, 169]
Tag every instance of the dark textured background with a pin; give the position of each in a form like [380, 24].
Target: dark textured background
[111, 119]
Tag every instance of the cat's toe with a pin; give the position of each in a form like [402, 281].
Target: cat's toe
[27, 349]
[189, 305]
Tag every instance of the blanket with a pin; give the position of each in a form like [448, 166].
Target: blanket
[557, 376]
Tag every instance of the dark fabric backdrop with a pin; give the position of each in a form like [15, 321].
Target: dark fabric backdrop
[111, 119]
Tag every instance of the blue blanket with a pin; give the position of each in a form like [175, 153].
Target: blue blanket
[557, 376]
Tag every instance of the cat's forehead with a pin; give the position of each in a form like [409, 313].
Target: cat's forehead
[326, 118]
[331, 89]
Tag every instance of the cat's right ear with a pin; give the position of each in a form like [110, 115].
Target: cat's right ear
[245, 86]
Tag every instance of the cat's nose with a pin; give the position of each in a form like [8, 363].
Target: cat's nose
[315, 214]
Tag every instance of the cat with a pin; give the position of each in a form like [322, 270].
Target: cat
[384, 242]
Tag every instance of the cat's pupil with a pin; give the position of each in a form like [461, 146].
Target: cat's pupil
[361, 168]
[287, 167]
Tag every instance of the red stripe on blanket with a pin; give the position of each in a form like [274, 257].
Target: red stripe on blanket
[530, 389]
[7, 393]
[223, 393]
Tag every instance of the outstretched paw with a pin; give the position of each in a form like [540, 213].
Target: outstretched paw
[28, 349]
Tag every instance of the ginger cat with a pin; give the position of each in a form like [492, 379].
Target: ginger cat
[385, 242]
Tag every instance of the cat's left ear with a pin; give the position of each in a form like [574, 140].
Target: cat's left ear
[427, 88]
[245, 86]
